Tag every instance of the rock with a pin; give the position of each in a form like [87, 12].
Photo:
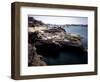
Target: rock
[50, 49]
[34, 59]
[32, 22]
[38, 61]
[30, 54]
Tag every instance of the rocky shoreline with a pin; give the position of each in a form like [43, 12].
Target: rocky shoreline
[47, 42]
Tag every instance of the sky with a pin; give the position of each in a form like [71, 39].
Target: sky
[62, 19]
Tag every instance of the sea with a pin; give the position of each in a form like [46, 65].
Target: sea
[79, 30]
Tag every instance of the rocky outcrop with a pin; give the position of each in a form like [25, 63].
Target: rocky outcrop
[34, 59]
[32, 22]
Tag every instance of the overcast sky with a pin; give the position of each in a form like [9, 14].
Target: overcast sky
[62, 20]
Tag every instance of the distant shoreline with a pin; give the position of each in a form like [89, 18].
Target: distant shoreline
[66, 25]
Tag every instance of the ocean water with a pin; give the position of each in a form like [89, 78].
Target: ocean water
[79, 30]
[67, 58]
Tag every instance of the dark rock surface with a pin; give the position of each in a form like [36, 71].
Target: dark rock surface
[50, 49]
[34, 59]
[32, 22]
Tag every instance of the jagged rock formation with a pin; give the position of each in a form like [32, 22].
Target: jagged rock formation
[33, 22]
[34, 59]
